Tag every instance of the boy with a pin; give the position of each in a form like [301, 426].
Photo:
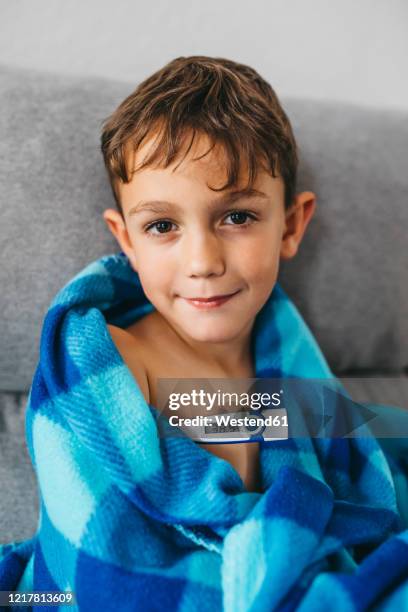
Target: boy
[202, 163]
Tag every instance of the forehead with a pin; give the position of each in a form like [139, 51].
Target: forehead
[199, 165]
[196, 153]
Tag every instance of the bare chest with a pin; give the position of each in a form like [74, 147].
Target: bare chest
[162, 362]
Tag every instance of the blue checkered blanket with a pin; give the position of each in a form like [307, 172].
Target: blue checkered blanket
[133, 521]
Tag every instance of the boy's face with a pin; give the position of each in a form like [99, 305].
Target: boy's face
[205, 246]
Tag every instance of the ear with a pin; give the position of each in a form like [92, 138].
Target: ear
[117, 226]
[296, 221]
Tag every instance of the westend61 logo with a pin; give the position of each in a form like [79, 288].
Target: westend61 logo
[225, 410]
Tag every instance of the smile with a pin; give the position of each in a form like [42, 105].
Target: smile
[209, 303]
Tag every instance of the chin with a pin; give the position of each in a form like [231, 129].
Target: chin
[211, 332]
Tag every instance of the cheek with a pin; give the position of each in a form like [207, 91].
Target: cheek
[149, 261]
[261, 259]
[155, 275]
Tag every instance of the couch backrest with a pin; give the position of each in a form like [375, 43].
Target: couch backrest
[349, 278]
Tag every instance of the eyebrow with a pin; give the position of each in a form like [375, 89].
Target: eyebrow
[161, 206]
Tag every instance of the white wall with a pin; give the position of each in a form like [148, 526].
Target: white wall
[352, 50]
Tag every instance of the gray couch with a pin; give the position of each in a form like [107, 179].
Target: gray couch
[349, 279]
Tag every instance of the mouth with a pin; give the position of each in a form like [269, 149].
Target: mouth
[211, 302]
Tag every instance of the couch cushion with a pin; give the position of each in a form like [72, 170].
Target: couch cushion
[349, 278]
[19, 505]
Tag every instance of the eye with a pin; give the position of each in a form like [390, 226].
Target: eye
[163, 226]
[239, 214]
[158, 224]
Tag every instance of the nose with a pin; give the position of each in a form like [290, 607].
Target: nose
[203, 255]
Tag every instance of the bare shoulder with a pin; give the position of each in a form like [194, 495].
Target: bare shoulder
[130, 350]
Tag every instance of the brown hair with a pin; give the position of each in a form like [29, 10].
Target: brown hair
[228, 101]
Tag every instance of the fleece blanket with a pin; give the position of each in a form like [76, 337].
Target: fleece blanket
[133, 521]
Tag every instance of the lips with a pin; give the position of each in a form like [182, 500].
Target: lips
[210, 303]
[212, 298]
